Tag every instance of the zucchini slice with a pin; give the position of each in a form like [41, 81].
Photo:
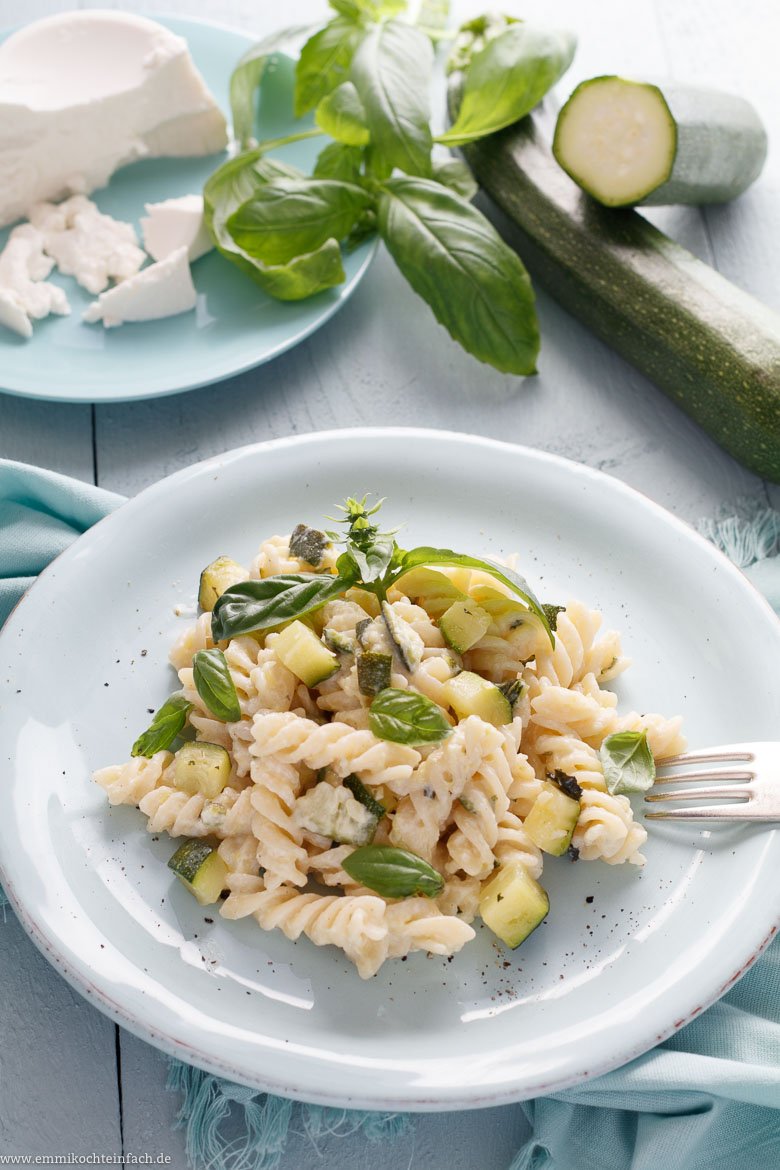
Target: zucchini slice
[200, 868]
[407, 641]
[302, 652]
[707, 344]
[470, 694]
[431, 590]
[216, 578]
[339, 641]
[512, 904]
[463, 624]
[202, 768]
[552, 820]
[629, 142]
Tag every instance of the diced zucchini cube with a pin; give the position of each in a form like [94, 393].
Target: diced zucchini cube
[334, 812]
[302, 652]
[469, 694]
[216, 578]
[552, 820]
[463, 625]
[201, 768]
[201, 869]
[512, 904]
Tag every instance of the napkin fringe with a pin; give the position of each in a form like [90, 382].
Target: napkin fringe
[749, 536]
[207, 1111]
[532, 1156]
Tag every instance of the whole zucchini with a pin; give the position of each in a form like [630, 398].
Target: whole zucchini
[710, 346]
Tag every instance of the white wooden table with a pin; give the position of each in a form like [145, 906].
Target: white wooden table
[69, 1079]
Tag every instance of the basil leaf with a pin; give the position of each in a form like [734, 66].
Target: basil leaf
[363, 230]
[233, 184]
[369, 9]
[627, 762]
[455, 260]
[248, 74]
[338, 161]
[341, 115]
[472, 37]
[361, 793]
[215, 685]
[453, 173]
[374, 560]
[164, 728]
[391, 70]
[393, 873]
[445, 556]
[288, 217]
[258, 605]
[407, 717]
[507, 78]
[324, 62]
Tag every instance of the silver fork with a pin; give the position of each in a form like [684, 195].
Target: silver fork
[752, 785]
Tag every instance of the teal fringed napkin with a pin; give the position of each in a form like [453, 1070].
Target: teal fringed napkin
[706, 1099]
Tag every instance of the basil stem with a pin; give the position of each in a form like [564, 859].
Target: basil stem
[407, 717]
[214, 683]
[627, 762]
[393, 873]
[167, 723]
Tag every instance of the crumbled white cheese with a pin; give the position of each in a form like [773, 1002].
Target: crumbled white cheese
[24, 291]
[175, 223]
[334, 812]
[87, 244]
[163, 289]
[84, 93]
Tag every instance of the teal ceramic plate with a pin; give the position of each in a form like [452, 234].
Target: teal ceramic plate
[234, 327]
[625, 957]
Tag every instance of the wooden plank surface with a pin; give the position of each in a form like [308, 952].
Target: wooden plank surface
[384, 360]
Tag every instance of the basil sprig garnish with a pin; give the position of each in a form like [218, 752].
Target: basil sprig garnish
[371, 560]
[366, 75]
[362, 794]
[167, 723]
[407, 717]
[258, 605]
[627, 762]
[393, 873]
[214, 683]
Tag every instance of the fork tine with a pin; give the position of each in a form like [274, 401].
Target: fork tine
[716, 792]
[712, 812]
[737, 751]
[696, 777]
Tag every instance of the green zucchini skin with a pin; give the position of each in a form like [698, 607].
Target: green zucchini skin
[710, 346]
[718, 144]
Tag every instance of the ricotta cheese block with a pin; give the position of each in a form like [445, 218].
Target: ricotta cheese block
[84, 93]
[163, 289]
[86, 244]
[25, 293]
[176, 223]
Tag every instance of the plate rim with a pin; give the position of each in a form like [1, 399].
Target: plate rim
[440, 1098]
[344, 292]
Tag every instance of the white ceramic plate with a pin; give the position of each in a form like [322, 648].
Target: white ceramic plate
[234, 326]
[599, 983]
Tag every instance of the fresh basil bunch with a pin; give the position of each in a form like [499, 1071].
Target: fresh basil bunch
[366, 76]
[372, 560]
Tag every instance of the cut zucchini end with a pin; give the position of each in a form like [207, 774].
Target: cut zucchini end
[552, 820]
[512, 904]
[200, 868]
[201, 768]
[302, 652]
[617, 139]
